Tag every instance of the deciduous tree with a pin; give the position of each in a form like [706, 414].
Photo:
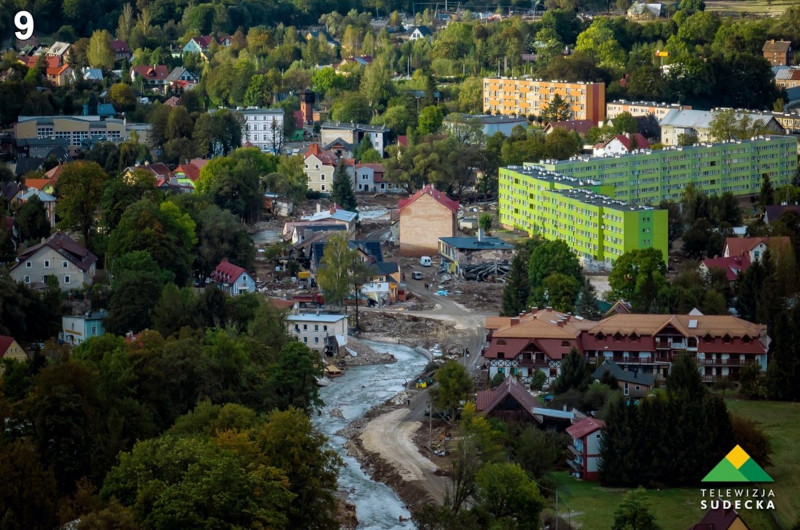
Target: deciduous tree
[79, 190]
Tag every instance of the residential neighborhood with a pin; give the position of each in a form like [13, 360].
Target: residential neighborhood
[283, 265]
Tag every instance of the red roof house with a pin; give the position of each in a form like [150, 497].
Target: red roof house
[584, 453]
[510, 402]
[10, 349]
[721, 519]
[732, 265]
[233, 279]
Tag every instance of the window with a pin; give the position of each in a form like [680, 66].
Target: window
[316, 327]
[27, 264]
[94, 330]
[305, 340]
[27, 279]
[324, 328]
[305, 327]
[64, 264]
[66, 279]
[316, 340]
[47, 264]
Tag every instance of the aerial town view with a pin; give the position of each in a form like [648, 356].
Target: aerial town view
[390, 265]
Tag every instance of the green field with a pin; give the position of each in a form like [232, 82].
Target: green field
[749, 7]
[592, 507]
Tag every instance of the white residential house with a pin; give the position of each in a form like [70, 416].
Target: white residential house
[58, 256]
[319, 331]
[319, 167]
[369, 178]
[233, 279]
[353, 133]
[76, 330]
[263, 128]
[421, 32]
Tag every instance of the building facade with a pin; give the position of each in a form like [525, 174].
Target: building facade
[525, 97]
[649, 177]
[233, 279]
[641, 108]
[778, 53]
[78, 131]
[697, 124]
[598, 228]
[424, 218]
[76, 330]
[319, 331]
[59, 256]
[583, 454]
[354, 133]
[462, 254]
[263, 128]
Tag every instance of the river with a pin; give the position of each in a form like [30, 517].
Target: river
[360, 388]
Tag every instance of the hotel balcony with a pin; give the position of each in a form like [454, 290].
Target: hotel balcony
[723, 362]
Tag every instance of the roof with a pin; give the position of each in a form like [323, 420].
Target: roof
[204, 41]
[701, 119]
[386, 267]
[280, 303]
[336, 212]
[58, 70]
[719, 519]
[776, 46]
[38, 184]
[5, 344]
[10, 190]
[688, 325]
[623, 375]
[424, 30]
[313, 317]
[42, 196]
[488, 400]
[580, 126]
[227, 272]
[58, 48]
[158, 72]
[631, 142]
[120, 46]
[775, 211]
[472, 243]
[340, 143]
[158, 169]
[735, 246]
[585, 427]
[732, 265]
[192, 169]
[429, 189]
[354, 126]
[66, 247]
[370, 247]
[328, 158]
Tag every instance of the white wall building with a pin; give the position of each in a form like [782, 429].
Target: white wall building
[263, 128]
[318, 330]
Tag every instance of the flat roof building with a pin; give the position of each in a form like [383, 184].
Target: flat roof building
[526, 96]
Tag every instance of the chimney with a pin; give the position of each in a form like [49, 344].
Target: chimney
[514, 321]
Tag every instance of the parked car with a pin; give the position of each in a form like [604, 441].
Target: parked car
[416, 275]
[425, 261]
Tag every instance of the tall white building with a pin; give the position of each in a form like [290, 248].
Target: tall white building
[263, 128]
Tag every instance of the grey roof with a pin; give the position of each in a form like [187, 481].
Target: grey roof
[386, 267]
[256, 110]
[370, 247]
[338, 141]
[623, 375]
[472, 243]
[487, 119]
[352, 126]
[424, 31]
[313, 317]
[701, 119]
[27, 164]
[648, 126]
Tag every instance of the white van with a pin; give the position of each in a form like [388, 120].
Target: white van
[425, 261]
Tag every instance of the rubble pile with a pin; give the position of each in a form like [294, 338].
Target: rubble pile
[482, 296]
[410, 330]
[364, 355]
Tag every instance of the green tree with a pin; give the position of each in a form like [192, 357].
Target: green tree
[639, 276]
[220, 235]
[560, 291]
[342, 192]
[556, 110]
[79, 190]
[485, 222]
[575, 373]
[599, 42]
[455, 385]
[100, 53]
[517, 288]
[766, 196]
[430, 120]
[634, 512]
[539, 452]
[351, 107]
[293, 380]
[175, 309]
[586, 306]
[333, 274]
[137, 287]
[31, 220]
[31, 502]
[727, 125]
[506, 493]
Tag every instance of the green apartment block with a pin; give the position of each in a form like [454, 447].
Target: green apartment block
[599, 229]
[648, 177]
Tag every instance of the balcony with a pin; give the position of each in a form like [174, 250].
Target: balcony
[535, 362]
[722, 362]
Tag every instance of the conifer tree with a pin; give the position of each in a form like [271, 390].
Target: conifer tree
[586, 305]
[517, 289]
[342, 192]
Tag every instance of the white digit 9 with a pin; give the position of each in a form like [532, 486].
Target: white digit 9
[24, 22]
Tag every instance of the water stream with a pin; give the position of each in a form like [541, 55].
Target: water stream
[377, 506]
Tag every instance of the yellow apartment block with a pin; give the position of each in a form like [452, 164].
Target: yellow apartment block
[525, 97]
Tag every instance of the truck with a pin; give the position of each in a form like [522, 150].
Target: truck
[309, 299]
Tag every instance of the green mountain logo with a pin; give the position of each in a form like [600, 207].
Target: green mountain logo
[737, 466]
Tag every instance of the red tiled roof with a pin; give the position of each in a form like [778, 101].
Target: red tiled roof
[280, 303]
[402, 139]
[585, 427]
[64, 245]
[738, 245]
[641, 141]
[5, 343]
[120, 46]
[204, 41]
[719, 519]
[57, 70]
[433, 192]
[328, 158]
[54, 173]
[38, 184]
[158, 72]
[580, 126]
[488, 400]
[191, 170]
[227, 272]
[174, 101]
[732, 265]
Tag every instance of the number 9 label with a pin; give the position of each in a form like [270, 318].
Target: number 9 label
[23, 20]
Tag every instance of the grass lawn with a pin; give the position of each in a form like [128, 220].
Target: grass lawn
[593, 506]
[750, 7]
[781, 421]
